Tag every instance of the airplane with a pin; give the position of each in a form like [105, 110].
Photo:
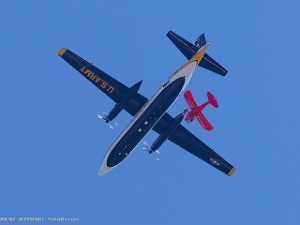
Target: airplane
[148, 113]
[196, 111]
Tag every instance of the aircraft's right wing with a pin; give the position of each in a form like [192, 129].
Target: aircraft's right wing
[113, 88]
[186, 140]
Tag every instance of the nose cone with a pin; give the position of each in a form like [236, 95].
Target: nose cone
[104, 169]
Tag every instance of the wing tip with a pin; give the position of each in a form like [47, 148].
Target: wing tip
[232, 171]
[62, 51]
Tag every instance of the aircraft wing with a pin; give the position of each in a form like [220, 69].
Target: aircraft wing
[115, 90]
[190, 100]
[204, 122]
[186, 140]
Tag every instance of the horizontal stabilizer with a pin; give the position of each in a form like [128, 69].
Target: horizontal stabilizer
[212, 100]
[189, 50]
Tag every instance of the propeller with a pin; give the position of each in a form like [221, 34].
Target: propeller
[147, 148]
[105, 117]
[186, 112]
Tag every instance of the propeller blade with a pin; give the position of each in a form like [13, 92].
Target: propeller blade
[104, 117]
[148, 149]
[145, 143]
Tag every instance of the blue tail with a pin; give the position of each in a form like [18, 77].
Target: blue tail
[189, 50]
[201, 41]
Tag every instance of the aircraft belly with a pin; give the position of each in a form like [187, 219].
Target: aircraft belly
[144, 123]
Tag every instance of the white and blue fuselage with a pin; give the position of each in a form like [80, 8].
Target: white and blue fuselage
[149, 114]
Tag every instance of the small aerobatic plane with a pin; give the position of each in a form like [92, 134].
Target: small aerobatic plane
[196, 111]
[151, 113]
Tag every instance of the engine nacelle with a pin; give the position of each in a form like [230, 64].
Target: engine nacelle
[166, 134]
[119, 106]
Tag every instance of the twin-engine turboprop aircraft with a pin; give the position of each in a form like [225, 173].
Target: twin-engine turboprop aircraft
[151, 113]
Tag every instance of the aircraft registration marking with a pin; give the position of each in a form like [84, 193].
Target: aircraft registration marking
[96, 79]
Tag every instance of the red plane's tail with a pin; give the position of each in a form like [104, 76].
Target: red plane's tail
[212, 99]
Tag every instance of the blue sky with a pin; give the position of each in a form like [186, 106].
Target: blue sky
[52, 142]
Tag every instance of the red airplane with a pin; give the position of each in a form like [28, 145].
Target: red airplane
[196, 111]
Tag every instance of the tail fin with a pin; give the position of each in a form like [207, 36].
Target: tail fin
[201, 41]
[188, 50]
[212, 100]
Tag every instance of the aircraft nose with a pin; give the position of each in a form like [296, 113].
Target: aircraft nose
[104, 169]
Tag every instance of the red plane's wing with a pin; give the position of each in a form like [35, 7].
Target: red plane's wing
[204, 122]
[190, 99]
